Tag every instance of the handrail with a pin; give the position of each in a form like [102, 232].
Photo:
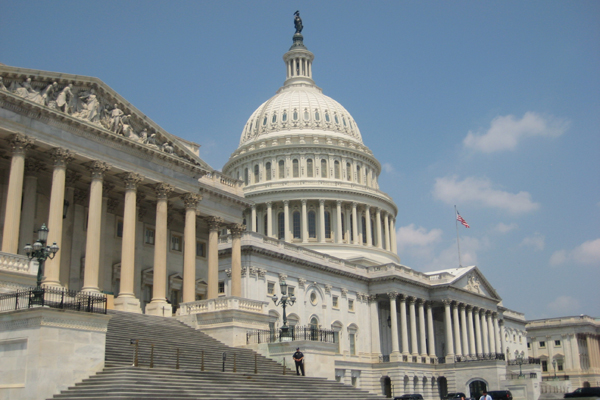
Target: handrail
[60, 298]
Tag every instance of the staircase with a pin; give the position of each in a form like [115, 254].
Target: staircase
[198, 377]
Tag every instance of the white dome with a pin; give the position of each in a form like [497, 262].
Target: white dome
[296, 109]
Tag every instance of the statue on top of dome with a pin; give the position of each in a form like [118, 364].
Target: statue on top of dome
[298, 22]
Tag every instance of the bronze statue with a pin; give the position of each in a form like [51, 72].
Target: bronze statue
[298, 22]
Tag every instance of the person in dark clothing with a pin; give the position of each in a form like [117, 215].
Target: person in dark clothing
[299, 360]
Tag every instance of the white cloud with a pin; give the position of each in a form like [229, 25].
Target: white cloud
[506, 132]
[409, 236]
[587, 253]
[563, 305]
[448, 258]
[504, 228]
[537, 242]
[481, 191]
[389, 168]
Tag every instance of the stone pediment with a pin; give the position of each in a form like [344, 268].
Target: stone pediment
[91, 101]
[474, 281]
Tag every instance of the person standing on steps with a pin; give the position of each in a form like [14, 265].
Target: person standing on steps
[299, 360]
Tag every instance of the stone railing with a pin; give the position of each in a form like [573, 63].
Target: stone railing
[221, 304]
[17, 263]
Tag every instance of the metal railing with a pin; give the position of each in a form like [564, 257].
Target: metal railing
[555, 378]
[529, 375]
[54, 298]
[528, 360]
[294, 333]
[482, 357]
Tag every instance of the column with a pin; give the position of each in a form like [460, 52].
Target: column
[354, 224]
[359, 228]
[60, 158]
[286, 221]
[477, 318]
[484, 333]
[422, 328]
[236, 259]
[430, 335]
[10, 238]
[502, 342]
[464, 330]
[574, 351]
[338, 223]
[413, 326]
[92, 245]
[386, 223]
[375, 341]
[393, 234]
[27, 225]
[322, 221]
[304, 222]
[269, 219]
[378, 228]
[394, 317]
[456, 324]
[253, 218]
[212, 291]
[126, 300]
[190, 200]
[159, 305]
[498, 334]
[348, 217]
[448, 321]
[404, 325]
[472, 350]
[491, 333]
[368, 222]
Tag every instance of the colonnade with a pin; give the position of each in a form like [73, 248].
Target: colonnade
[318, 220]
[97, 170]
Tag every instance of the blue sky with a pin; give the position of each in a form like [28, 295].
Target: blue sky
[492, 106]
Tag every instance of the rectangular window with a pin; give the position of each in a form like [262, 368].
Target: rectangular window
[120, 227]
[557, 343]
[528, 345]
[176, 241]
[291, 291]
[354, 380]
[542, 345]
[149, 236]
[559, 365]
[200, 249]
[335, 302]
[271, 288]
[296, 222]
[544, 366]
[221, 287]
[350, 305]
[352, 344]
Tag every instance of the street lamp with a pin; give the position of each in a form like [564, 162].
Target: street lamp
[519, 357]
[284, 301]
[554, 365]
[40, 252]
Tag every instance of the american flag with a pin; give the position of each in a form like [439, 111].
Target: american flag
[461, 220]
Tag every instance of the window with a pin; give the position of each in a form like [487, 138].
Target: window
[265, 120]
[271, 288]
[372, 231]
[351, 336]
[344, 120]
[268, 168]
[335, 302]
[336, 167]
[291, 291]
[306, 115]
[343, 225]
[351, 229]
[542, 345]
[149, 236]
[544, 366]
[350, 305]
[354, 379]
[348, 171]
[295, 115]
[528, 345]
[295, 168]
[364, 229]
[256, 175]
[337, 121]
[557, 343]
[296, 223]
[559, 365]
[327, 225]
[313, 298]
[265, 224]
[358, 177]
[246, 176]
[309, 168]
[284, 116]
[281, 169]
[119, 227]
[312, 225]
[327, 116]
[221, 287]
[323, 168]
[200, 249]
[176, 241]
[281, 226]
[274, 119]
[317, 116]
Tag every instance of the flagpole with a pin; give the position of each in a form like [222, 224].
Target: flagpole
[457, 238]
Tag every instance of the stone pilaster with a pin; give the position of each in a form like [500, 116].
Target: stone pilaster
[236, 258]
[190, 200]
[214, 223]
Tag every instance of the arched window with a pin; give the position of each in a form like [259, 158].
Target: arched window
[364, 229]
[358, 177]
[348, 171]
[265, 224]
[317, 116]
[295, 115]
[281, 169]
[327, 116]
[306, 115]
[296, 168]
[268, 168]
[281, 226]
[327, 225]
[274, 119]
[312, 225]
[246, 176]
[296, 222]
[337, 121]
[265, 120]
[284, 116]
[336, 167]
[323, 168]
[256, 175]
[309, 168]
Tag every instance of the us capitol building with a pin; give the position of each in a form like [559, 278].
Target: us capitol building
[141, 218]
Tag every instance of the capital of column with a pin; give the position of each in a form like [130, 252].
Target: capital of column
[421, 302]
[131, 180]
[253, 207]
[469, 307]
[501, 322]
[98, 168]
[402, 298]
[461, 306]
[269, 203]
[488, 313]
[286, 202]
[412, 300]
[321, 202]
[447, 302]
[338, 203]
[354, 204]
[61, 157]
[214, 223]
[481, 312]
[162, 190]
[372, 298]
[191, 200]
[237, 230]
[20, 143]
[494, 314]
[392, 295]
[303, 202]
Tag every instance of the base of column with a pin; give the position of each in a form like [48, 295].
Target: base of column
[159, 308]
[128, 304]
[450, 359]
[52, 284]
[395, 356]
[90, 290]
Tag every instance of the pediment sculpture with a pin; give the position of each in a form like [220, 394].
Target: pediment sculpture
[473, 284]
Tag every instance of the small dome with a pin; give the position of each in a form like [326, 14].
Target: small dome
[299, 108]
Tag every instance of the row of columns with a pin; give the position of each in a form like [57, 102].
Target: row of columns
[299, 66]
[424, 308]
[384, 234]
[126, 298]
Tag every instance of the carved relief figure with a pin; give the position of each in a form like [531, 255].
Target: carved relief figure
[473, 284]
[116, 116]
[25, 90]
[2, 87]
[91, 107]
[48, 93]
[64, 99]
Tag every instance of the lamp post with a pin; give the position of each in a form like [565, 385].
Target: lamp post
[554, 366]
[519, 357]
[40, 251]
[284, 301]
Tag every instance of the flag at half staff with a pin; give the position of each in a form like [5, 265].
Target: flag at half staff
[461, 220]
